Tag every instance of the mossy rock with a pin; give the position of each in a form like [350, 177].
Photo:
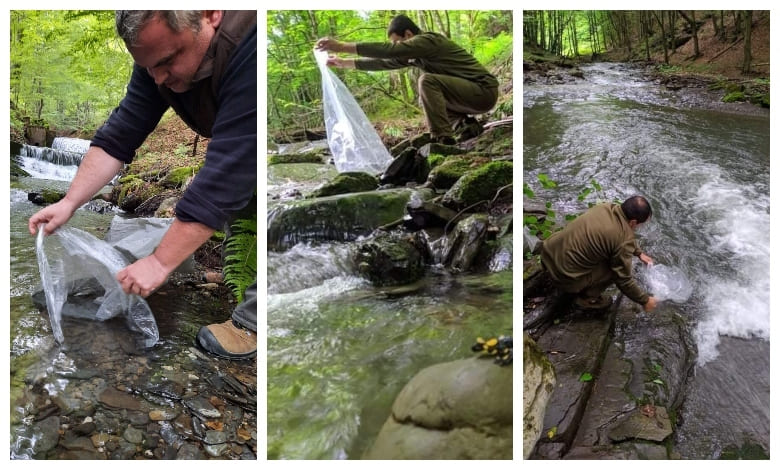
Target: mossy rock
[343, 217]
[315, 156]
[480, 185]
[495, 141]
[348, 182]
[177, 177]
[389, 260]
[435, 160]
[16, 169]
[45, 197]
[449, 172]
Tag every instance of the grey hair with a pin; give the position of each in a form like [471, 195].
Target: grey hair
[130, 22]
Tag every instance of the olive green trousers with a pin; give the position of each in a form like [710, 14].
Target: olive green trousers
[447, 99]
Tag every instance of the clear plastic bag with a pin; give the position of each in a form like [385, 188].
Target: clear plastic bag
[137, 238]
[667, 283]
[352, 139]
[74, 266]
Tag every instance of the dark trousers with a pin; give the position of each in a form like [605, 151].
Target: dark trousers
[446, 99]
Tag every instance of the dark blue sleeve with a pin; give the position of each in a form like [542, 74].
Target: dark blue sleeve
[228, 178]
[133, 120]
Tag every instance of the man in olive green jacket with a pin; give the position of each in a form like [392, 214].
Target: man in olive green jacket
[453, 86]
[595, 250]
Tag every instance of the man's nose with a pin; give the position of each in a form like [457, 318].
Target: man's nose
[158, 74]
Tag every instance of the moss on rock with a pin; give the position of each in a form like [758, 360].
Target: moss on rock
[348, 182]
[479, 185]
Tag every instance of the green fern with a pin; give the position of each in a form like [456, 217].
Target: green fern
[241, 262]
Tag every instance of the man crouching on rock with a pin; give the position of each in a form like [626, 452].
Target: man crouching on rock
[595, 250]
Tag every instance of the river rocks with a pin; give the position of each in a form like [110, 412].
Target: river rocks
[47, 434]
[202, 407]
[113, 398]
[480, 185]
[389, 260]
[133, 435]
[338, 218]
[162, 415]
[538, 385]
[650, 423]
[348, 182]
[455, 410]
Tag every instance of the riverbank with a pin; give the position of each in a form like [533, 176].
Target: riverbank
[622, 372]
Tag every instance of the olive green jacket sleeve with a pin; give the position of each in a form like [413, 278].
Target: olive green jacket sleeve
[431, 52]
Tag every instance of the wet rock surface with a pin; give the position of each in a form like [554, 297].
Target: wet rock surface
[99, 397]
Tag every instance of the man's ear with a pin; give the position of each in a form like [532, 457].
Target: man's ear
[408, 34]
[633, 223]
[213, 17]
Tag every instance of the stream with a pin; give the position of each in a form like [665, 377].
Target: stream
[98, 396]
[704, 167]
[340, 350]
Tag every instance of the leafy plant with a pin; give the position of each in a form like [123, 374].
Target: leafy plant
[586, 377]
[241, 262]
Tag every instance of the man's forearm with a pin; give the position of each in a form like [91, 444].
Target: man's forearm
[180, 241]
[97, 168]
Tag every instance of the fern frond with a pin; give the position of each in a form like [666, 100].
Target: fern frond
[241, 262]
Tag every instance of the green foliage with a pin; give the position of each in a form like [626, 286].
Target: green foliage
[68, 68]
[294, 80]
[241, 262]
[734, 96]
[586, 377]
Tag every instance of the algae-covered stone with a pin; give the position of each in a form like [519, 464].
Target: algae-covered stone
[343, 217]
[480, 185]
[389, 260]
[314, 156]
[449, 171]
[348, 182]
[455, 410]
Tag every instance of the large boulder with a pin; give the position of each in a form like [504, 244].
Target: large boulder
[455, 410]
[343, 217]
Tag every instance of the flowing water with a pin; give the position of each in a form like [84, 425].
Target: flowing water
[704, 166]
[340, 350]
[56, 409]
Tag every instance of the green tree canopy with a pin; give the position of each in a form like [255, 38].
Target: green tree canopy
[294, 83]
[68, 67]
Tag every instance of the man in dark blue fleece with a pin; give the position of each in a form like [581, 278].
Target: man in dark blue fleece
[203, 64]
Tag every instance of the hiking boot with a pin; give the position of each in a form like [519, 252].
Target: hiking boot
[445, 140]
[228, 340]
[468, 128]
[593, 303]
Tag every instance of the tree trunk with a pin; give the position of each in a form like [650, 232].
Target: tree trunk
[748, 28]
[694, 31]
[660, 20]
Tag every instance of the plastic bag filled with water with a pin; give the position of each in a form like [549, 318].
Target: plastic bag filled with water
[667, 283]
[78, 274]
[352, 139]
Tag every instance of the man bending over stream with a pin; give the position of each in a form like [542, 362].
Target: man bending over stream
[595, 250]
[203, 64]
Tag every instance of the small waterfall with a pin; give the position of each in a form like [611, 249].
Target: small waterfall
[70, 144]
[50, 163]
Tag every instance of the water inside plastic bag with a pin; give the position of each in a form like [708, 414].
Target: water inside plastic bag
[352, 139]
[667, 283]
[74, 264]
